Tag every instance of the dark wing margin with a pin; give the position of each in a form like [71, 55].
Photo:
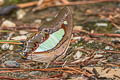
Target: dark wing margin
[56, 23]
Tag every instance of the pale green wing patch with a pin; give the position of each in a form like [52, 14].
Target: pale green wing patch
[52, 41]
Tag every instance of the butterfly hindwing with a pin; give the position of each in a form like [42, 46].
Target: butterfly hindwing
[51, 42]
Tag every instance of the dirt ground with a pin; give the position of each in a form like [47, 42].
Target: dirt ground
[92, 55]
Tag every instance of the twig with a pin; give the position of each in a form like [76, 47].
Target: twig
[80, 71]
[11, 42]
[8, 78]
[118, 27]
[113, 65]
[102, 34]
[76, 3]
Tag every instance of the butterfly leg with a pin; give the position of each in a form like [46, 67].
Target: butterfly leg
[48, 63]
[52, 60]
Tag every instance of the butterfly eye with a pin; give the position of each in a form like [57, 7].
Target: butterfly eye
[46, 30]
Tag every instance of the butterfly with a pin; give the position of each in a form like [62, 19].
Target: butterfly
[52, 39]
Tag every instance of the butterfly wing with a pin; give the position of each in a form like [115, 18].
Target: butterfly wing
[55, 45]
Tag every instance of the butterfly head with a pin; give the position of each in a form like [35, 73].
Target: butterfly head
[45, 30]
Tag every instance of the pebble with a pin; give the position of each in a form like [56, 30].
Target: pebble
[1, 2]
[117, 32]
[5, 46]
[24, 76]
[22, 32]
[38, 21]
[77, 55]
[90, 41]
[11, 47]
[99, 52]
[115, 41]
[102, 24]
[108, 48]
[12, 64]
[98, 56]
[77, 38]
[78, 28]
[48, 19]
[35, 72]
[8, 23]
[20, 14]
[19, 37]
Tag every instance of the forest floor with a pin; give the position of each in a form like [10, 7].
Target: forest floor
[94, 52]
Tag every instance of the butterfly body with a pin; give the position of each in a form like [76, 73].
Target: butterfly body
[52, 39]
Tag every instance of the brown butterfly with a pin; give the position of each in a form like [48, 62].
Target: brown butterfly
[52, 39]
